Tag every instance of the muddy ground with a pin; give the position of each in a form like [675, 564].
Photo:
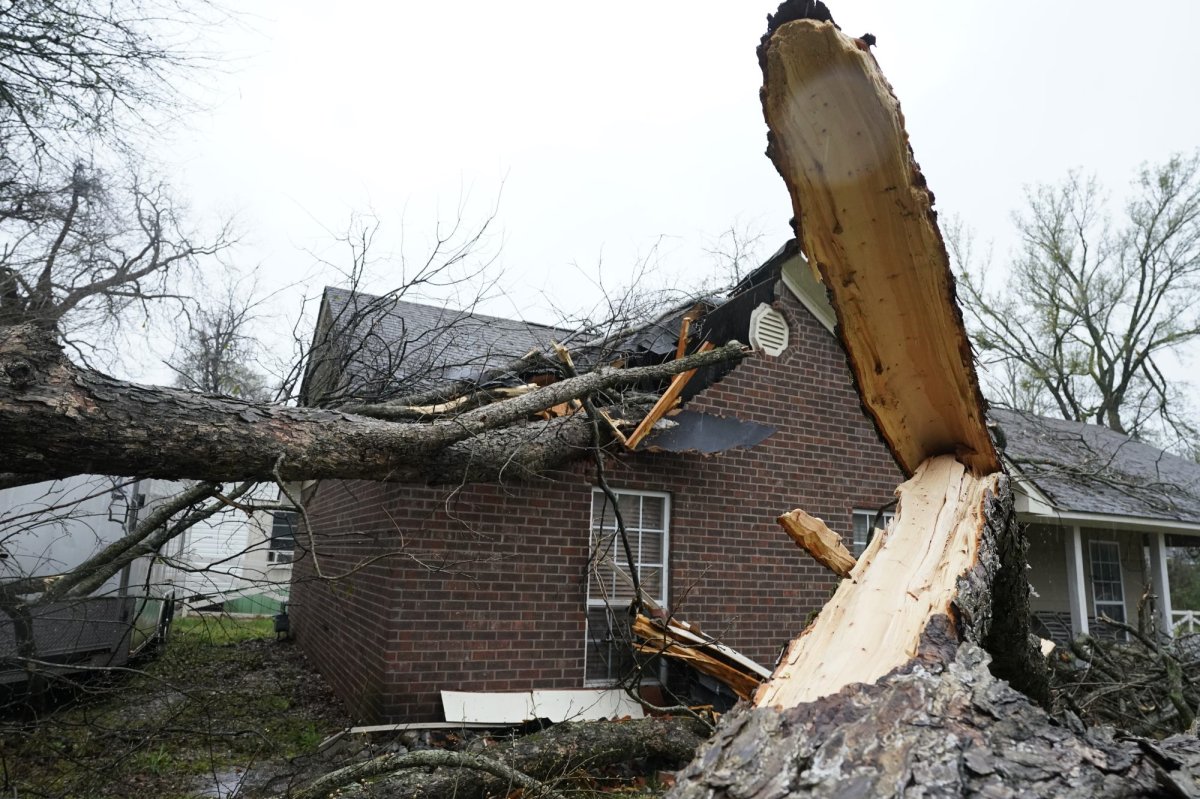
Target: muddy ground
[224, 705]
[224, 709]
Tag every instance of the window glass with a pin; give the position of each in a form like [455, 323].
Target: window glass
[1108, 593]
[864, 527]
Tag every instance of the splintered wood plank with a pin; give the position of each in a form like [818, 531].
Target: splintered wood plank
[664, 403]
[865, 220]
[906, 576]
[814, 537]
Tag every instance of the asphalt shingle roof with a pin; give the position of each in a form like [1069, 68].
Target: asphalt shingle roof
[413, 345]
[1086, 468]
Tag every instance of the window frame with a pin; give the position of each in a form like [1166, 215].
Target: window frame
[281, 555]
[1094, 546]
[591, 603]
[888, 515]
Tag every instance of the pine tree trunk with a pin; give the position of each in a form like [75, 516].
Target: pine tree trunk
[920, 676]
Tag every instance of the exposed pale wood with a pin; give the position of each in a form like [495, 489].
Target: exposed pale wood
[684, 327]
[665, 402]
[865, 221]
[814, 537]
[875, 620]
[671, 639]
[613, 427]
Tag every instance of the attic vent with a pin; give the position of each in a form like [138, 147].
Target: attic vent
[768, 330]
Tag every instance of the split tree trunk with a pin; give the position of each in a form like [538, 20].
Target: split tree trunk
[896, 689]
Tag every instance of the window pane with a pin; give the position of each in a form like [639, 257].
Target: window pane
[608, 653]
[1108, 593]
[652, 580]
[651, 546]
[653, 513]
[283, 530]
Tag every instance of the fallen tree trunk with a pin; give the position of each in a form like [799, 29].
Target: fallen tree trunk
[899, 686]
[58, 419]
[556, 754]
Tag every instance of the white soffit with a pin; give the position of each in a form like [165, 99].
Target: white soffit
[768, 330]
[799, 278]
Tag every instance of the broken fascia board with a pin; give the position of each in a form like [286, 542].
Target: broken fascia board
[518, 707]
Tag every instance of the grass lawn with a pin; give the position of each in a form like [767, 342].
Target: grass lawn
[222, 696]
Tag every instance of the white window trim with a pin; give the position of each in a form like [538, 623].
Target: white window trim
[1093, 545]
[888, 515]
[666, 560]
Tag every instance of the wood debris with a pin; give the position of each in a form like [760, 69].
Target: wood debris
[814, 537]
[665, 403]
[684, 642]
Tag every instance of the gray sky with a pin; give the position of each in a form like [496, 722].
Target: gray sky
[613, 127]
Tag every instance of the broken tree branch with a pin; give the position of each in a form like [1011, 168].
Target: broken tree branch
[814, 537]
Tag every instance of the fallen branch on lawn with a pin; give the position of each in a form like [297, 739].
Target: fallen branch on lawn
[394, 762]
[558, 752]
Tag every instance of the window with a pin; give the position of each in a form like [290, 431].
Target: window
[864, 527]
[283, 536]
[1108, 594]
[610, 587]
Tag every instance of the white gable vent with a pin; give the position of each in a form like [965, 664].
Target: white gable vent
[768, 330]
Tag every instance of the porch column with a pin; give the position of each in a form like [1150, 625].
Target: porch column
[1076, 591]
[1160, 581]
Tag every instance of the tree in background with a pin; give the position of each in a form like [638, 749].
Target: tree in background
[1080, 328]
[216, 352]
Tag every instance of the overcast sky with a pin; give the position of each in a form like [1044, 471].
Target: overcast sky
[602, 129]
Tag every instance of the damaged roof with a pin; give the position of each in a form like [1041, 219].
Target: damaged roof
[383, 346]
[1086, 468]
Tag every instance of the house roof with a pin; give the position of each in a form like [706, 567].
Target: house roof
[377, 348]
[388, 341]
[1086, 468]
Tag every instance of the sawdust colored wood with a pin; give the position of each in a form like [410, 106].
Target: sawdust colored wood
[814, 537]
[865, 220]
[906, 577]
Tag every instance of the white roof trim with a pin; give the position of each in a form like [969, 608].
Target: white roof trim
[1028, 497]
[1139, 523]
[798, 276]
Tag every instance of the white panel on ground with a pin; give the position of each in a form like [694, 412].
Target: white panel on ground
[508, 707]
[585, 705]
[516, 707]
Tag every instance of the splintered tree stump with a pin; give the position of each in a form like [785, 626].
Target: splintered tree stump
[920, 676]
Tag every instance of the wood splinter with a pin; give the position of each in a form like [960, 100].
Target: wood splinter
[814, 537]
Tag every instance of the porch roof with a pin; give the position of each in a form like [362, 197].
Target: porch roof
[1085, 469]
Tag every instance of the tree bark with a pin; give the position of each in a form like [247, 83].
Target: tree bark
[549, 756]
[57, 419]
[920, 676]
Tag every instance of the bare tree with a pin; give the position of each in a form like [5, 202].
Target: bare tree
[80, 253]
[1093, 304]
[71, 70]
[217, 351]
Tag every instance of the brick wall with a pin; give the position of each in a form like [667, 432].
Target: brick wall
[486, 589]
